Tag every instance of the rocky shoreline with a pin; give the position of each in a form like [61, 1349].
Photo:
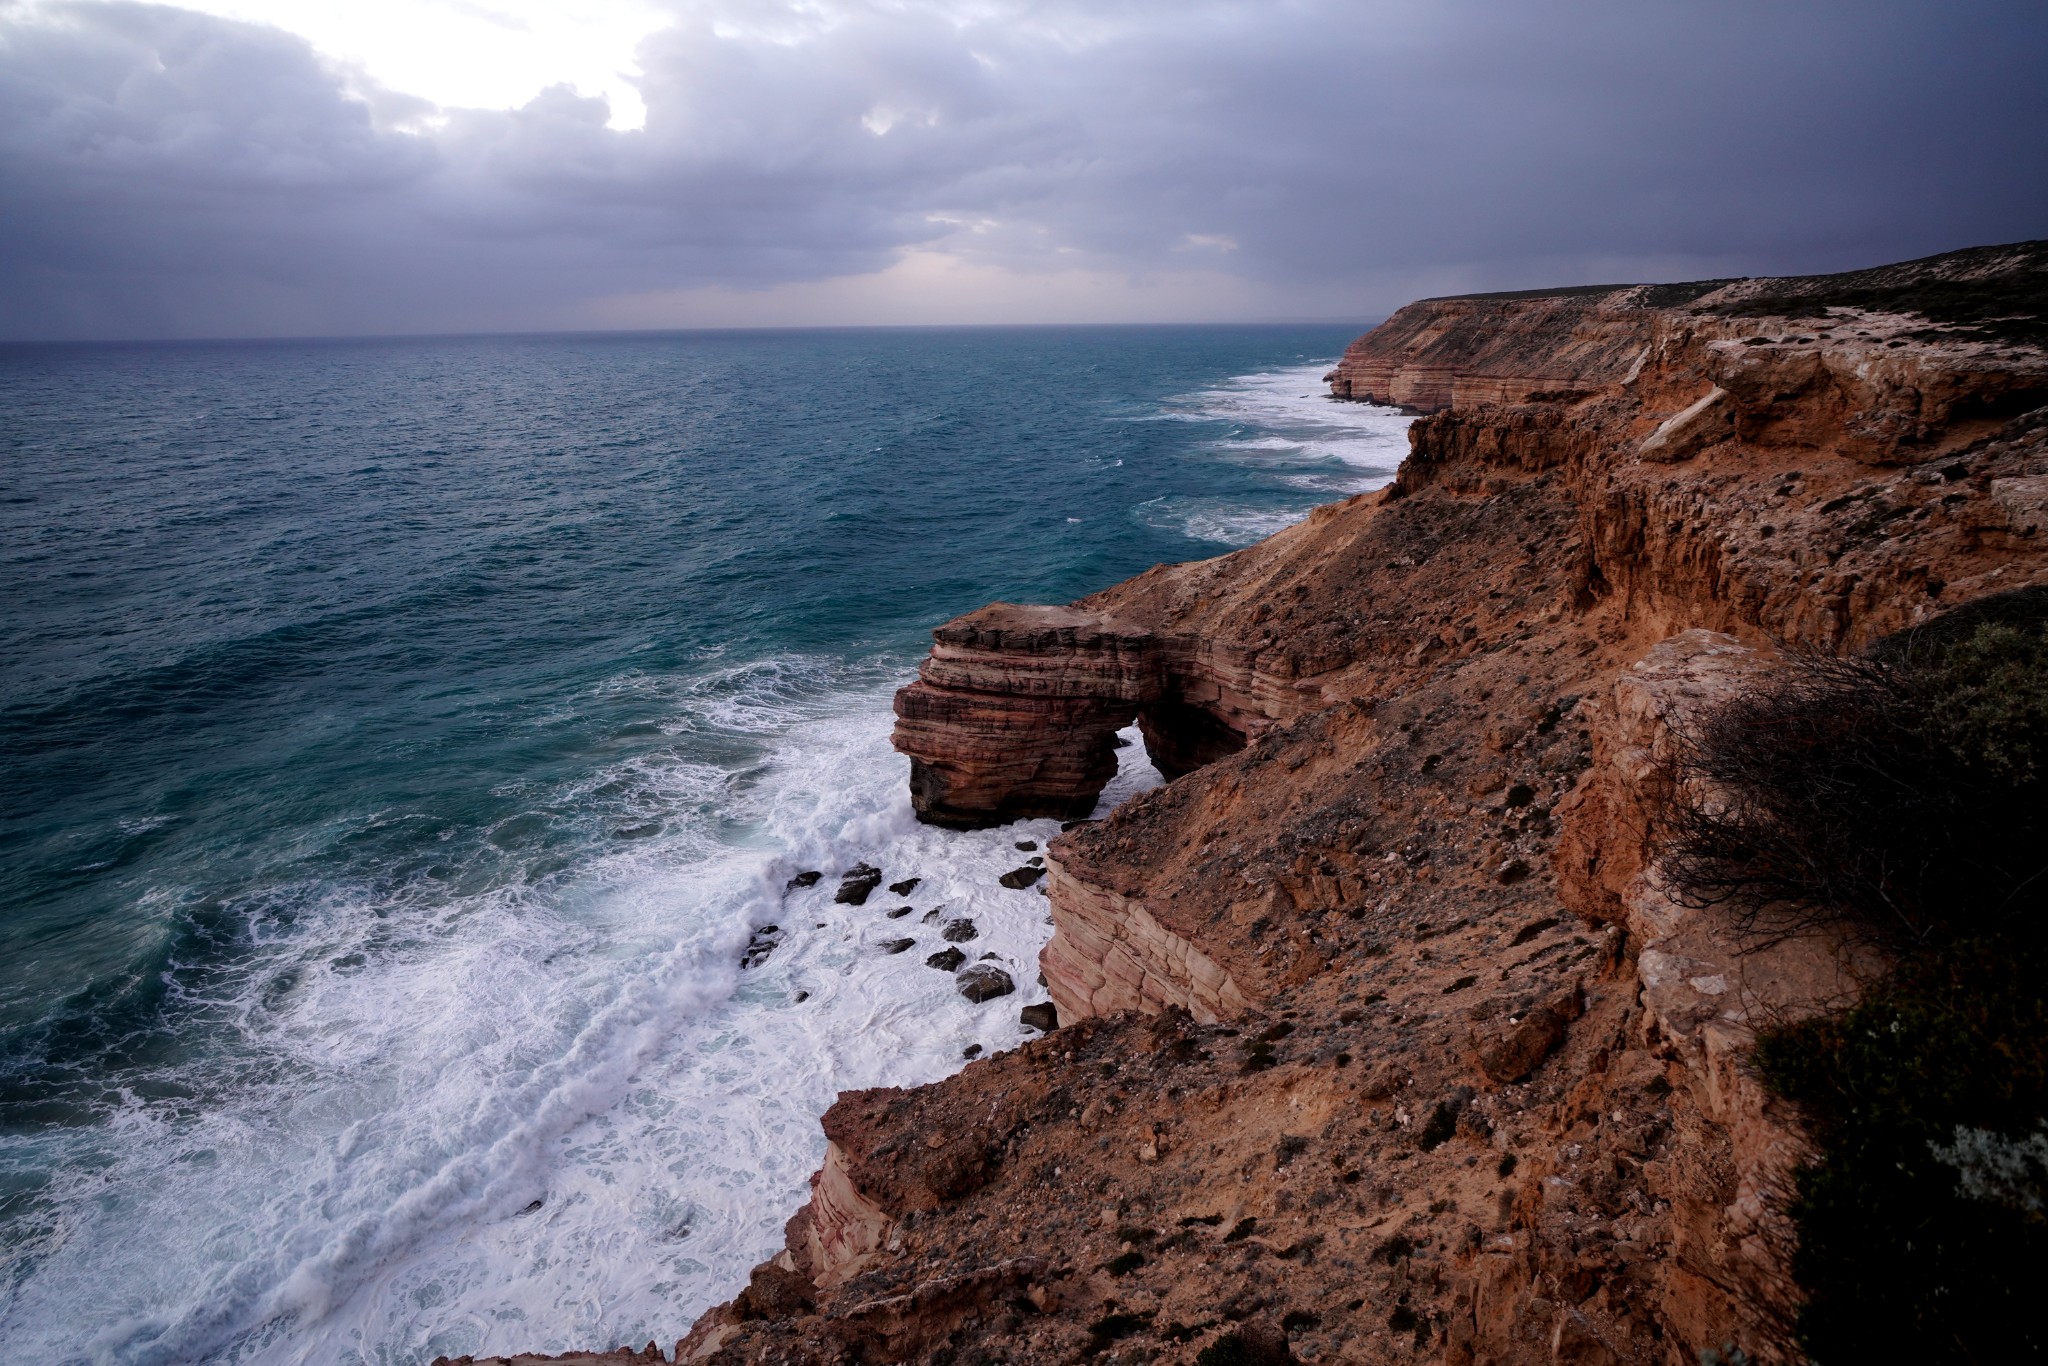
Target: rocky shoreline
[1382, 1036]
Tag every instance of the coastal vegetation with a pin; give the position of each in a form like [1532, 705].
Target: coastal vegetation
[1901, 795]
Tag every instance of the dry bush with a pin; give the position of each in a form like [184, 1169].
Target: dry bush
[1900, 791]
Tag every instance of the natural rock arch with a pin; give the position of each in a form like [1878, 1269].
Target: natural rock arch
[1015, 714]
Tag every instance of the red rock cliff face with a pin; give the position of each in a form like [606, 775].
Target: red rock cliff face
[1382, 1037]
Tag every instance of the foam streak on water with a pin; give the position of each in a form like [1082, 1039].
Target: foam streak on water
[1282, 423]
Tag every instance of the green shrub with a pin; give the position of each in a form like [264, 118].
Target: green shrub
[1897, 1253]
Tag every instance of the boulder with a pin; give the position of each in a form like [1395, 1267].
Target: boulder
[1511, 1050]
[857, 882]
[1019, 878]
[897, 945]
[985, 982]
[946, 960]
[774, 1292]
[905, 887]
[807, 878]
[959, 931]
[1043, 1016]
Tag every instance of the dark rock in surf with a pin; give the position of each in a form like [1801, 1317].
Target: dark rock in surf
[946, 960]
[905, 887]
[900, 912]
[984, 982]
[959, 931]
[804, 879]
[761, 945]
[1028, 846]
[1044, 1016]
[857, 883]
[1019, 878]
[897, 945]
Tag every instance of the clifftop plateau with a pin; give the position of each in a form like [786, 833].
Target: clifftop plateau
[1382, 1036]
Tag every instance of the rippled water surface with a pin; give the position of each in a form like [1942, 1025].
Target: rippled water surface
[403, 739]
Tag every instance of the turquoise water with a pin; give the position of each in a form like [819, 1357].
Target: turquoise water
[402, 739]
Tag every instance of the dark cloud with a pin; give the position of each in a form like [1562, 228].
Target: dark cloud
[165, 173]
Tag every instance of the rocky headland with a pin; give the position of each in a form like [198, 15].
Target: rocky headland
[1382, 1035]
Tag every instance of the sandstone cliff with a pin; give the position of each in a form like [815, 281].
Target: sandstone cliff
[1381, 1034]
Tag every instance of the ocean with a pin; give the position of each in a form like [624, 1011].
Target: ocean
[403, 740]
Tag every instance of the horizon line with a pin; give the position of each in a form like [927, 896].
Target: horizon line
[595, 333]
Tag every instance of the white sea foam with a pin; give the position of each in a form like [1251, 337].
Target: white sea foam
[1283, 423]
[552, 1114]
[1216, 519]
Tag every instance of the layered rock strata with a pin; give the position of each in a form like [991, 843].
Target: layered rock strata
[1382, 1034]
[1015, 711]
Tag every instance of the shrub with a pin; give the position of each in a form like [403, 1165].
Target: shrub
[1901, 791]
[1903, 794]
[1906, 1246]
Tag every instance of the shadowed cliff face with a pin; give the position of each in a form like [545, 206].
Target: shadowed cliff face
[1382, 1036]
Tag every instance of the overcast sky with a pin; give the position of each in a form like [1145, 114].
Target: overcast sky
[295, 167]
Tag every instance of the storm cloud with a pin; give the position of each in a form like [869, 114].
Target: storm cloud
[168, 173]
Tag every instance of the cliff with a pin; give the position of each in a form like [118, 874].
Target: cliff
[1382, 1035]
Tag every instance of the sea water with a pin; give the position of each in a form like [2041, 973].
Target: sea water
[404, 740]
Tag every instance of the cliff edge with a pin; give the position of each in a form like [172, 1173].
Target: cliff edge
[1382, 1036]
